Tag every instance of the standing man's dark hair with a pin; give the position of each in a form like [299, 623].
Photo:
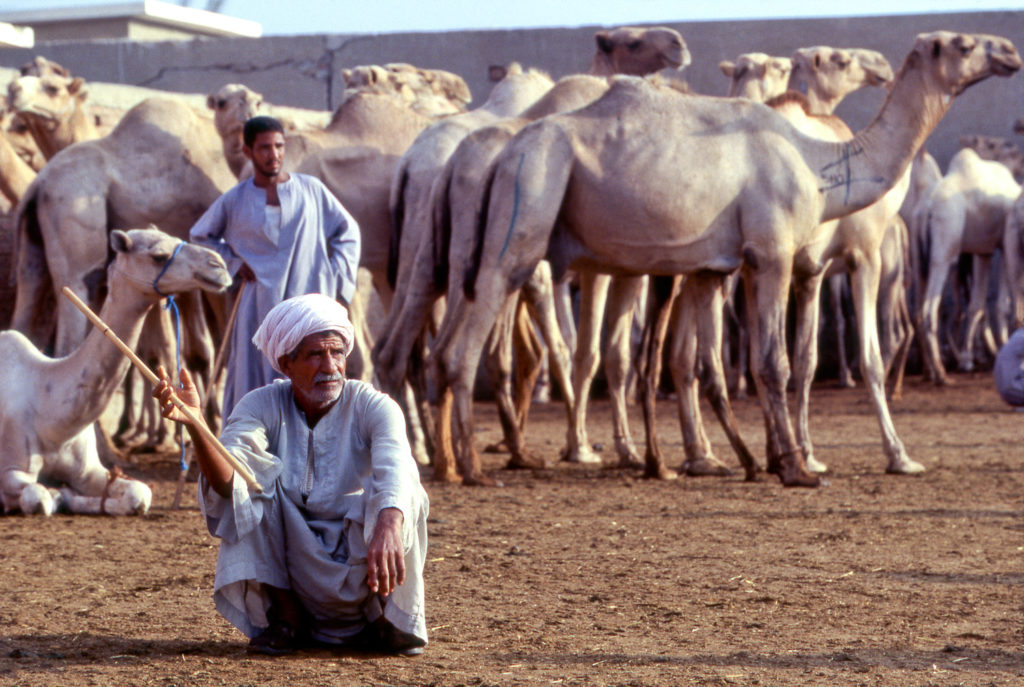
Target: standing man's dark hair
[256, 126]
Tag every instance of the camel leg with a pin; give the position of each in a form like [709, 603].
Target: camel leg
[664, 293]
[1013, 257]
[529, 356]
[700, 458]
[622, 296]
[708, 295]
[929, 318]
[767, 287]
[736, 364]
[444, 456]
[807, 292]
[981, 266]
[837, 287]
[865, 296]
[33, 307]
[541, 300]
[593, 298]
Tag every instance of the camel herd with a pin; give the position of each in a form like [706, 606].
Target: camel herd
[652, 201]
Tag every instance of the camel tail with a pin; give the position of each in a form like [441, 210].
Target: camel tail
[469, 285]
[441, 220]
[397, 218]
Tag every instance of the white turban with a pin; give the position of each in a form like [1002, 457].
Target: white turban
[292, 320]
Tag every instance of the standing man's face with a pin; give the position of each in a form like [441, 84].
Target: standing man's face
[267, 154]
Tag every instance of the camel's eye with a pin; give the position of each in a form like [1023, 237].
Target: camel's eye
[161, 258]
[635, 45]
[50, 89]
[221, 103]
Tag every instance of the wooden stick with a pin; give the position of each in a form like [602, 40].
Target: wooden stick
[197, 422]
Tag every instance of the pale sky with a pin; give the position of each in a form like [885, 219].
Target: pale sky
[286, 17]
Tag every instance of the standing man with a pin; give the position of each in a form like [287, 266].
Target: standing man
[284, 235]
[332, 550]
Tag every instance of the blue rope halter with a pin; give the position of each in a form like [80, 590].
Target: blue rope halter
[172, 305]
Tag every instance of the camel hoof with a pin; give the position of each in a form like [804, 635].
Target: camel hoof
[446, 477]
[525, 462]
[793, 474]
[705, 467]
[816, 466]
[480, 480]
[660, 472]
[499, 447]
[847, 382]
[904, 467]
[629, 463]
[583, 456]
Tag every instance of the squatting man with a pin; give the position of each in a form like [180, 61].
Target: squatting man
[332, 551]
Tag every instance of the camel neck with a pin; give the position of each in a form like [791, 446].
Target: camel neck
[90, 376]
[855, 173]
[15, 173]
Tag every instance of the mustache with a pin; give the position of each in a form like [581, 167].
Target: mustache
[323, 377]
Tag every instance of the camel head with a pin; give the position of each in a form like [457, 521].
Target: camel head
[757, 76]
[50, 99]
[826, 75]
[951, 62]
[232, 106]
[142, 255]
[638, 51]
[40, 66]
[19, 137]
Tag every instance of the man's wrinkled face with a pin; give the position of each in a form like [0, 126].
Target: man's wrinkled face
[267, 153]
[317, 371]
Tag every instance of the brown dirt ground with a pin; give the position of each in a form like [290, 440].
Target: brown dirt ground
[587, 576]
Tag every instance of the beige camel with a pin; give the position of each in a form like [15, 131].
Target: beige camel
[757, 76]
[638, 51]
[965, 212]
[826, 75]
[162, 164]
[234, 104]
[48, 404]
[54, 109]
[763, 191]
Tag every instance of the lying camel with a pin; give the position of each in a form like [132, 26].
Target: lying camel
[47, 405]
[763, 190]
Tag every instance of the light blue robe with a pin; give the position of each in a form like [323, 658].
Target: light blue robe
[310, 529]
[316, 250]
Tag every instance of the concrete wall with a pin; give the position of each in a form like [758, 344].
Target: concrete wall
[301, 70]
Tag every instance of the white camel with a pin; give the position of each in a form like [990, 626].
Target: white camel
[47, 405]
[965, 212]
[763, 190]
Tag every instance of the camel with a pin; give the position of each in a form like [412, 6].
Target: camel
[764, 188]
[162, 164]
[53, 108]
[965, 212]
[48, 405]
[757, 76]
[998, 149]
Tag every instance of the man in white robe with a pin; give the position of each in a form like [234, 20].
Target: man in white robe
[333, 549]
[285, 235]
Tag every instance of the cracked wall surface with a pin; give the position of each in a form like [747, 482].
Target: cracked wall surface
[302, 71]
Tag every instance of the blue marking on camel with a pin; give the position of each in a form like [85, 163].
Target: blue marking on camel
[515, 208]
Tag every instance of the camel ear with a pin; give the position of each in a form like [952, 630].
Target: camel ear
[604, 41]
[728, 68]
[77, 87]
[211, 102]
[1018, 126]
[120, 241]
